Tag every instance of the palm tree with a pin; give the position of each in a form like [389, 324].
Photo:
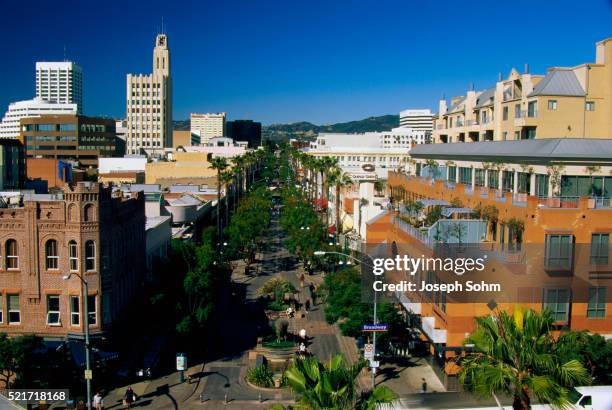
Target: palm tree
[219, 164]
[227, 178]
[332, 385]
[517, 354]
[362, 202]
[339, 179]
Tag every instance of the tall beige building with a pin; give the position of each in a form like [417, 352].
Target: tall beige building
[208, 126]
[149, 104]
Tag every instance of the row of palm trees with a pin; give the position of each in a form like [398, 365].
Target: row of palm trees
[236, 175]
[331, 175]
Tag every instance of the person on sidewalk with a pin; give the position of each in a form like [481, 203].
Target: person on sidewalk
[129, 397]
[98, 402]
[423, 386]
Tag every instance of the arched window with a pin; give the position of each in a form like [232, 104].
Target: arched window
[51, 255]
[90, 255]
[89, 213]
[73, 255]
[12, 254]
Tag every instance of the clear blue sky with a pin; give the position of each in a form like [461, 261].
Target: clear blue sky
[285, 61]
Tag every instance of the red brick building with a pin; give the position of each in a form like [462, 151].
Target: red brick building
[86, 231]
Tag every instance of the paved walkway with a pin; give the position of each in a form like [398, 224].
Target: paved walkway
[221, 381]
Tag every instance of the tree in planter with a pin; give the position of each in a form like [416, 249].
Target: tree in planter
[433, 165]
[261, 376]
[281, 328]
[517, 354]
[276, 288]
[555, 173]
[456, 203]
[590, 170]
[516, 227]
[489, 213]
[434, 215]
[414, 207]
[457, 231]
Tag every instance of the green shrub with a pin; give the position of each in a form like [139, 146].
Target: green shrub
[260, 376]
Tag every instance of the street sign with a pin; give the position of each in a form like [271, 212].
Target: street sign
[375, 328]
[88, 375]
[374, 364]
[181, 362]
[368, 351]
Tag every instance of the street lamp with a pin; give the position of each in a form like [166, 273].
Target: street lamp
[86, 312]
[323, 253]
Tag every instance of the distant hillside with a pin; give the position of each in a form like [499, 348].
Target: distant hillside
[308, 130]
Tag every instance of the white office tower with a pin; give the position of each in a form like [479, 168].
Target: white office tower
[418, 120]
[60, 82]
[9, 128]
[208, 126]
[149, 105]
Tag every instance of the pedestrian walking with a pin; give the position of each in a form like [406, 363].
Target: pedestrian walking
[424, 386]
[313, 290]
[98, 402]
[302, 280]
[307, 305]
[129, 397]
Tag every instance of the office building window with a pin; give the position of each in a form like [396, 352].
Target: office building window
[589, 106]
[90, 255]
[53, 309]
[92, 310]
[14, 311]
[12, 254]
[600, 248]
[556, 301]
[73, 255]
[552, 105]
[75, 311]
[52, 258]
[505, 113]
[559, 252]
[596, 308]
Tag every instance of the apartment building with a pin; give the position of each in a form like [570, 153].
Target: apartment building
[48, 240]
[149, 105]
[9, 128]
[208, 126]
[566, 102]
[68, 137]
[60, 82]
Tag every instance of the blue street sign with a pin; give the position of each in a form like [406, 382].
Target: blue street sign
[375, 328]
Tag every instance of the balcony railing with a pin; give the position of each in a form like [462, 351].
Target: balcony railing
[558, 202]
[602, 202]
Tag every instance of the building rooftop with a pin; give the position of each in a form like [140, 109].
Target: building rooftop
[154, 221]
[485, 98]
[544, 150]
[562, 82]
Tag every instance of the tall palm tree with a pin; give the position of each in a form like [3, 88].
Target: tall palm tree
[517, 354]
[227, 178]
[362, 202]
[339, 179]
[239, 162]
[219, 164]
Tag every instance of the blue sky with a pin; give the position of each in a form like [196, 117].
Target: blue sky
[285, 61]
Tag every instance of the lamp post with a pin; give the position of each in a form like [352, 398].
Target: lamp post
[322, 253]
[86, 313]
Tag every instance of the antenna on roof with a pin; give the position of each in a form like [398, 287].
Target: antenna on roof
[526, 68]
[499, 76]
[64, 52]
[162, 26]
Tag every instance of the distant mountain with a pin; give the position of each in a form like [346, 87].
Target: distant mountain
[308, 130]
